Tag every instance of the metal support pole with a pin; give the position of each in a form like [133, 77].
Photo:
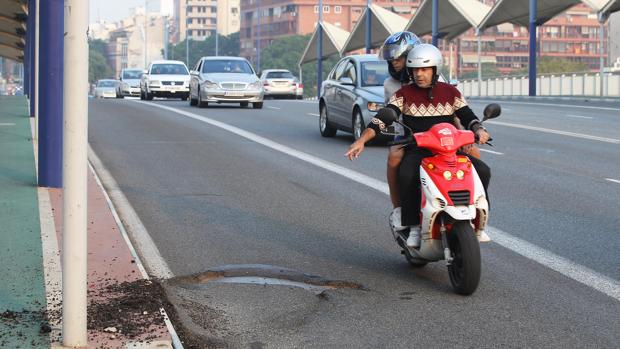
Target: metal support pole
[479, 34]
[368, 34]
[532, 66]
[319, 51]
[166, 38]
[217, 42]
[435, 24]
[258, 39]
[601, 21]
[50, 84]
[450, 62]
[32, 25]
[145, 37]
[75, 175]
[36, 73]
[186, 35]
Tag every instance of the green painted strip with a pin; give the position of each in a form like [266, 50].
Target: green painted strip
[22, 285]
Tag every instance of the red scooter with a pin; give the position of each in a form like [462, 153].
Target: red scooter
[454, 207]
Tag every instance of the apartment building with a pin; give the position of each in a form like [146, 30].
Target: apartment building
[279, 18]
[198, 19]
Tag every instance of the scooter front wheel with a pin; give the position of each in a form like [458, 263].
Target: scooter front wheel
[464, 270]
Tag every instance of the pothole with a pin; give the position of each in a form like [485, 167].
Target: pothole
[260, 274]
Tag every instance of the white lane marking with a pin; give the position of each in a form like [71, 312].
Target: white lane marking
[564, 133]
[153, 260]
[491, 151]
[173, 333]
[547, 104]
[578, 116]
[612, 180]
[276, 108]
[313, 114]
[299, 101]
[7, 124]
[562, 265]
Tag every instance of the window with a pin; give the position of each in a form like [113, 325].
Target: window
[337, 9]
[339, 70]
[316, 8]
[349, 72]
[169, 68]
[374, 73]
[326, 9]
[226, 66]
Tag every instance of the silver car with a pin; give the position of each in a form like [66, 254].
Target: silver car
[225, 80]
[129, 82]
[106, 88]
[352, 94]
[281, 83]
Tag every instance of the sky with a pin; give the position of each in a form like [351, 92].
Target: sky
[115, 10]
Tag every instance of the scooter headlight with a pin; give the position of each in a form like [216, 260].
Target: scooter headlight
[460, 174]
[447, 175]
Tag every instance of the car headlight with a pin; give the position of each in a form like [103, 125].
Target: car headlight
[209, 84]
[255, 84]
[154, 82]
[372, 106]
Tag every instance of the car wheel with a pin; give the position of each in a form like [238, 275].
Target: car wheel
[257, 105]
[184, 98]
[192, 101]
[141, 95]
[326, 129]
[358, 124]
[244, 104]
[200, 103]
[149, 96]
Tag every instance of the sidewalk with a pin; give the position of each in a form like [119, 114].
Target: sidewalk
[124, 307]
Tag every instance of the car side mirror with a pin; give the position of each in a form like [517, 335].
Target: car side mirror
[491, 111]
[387, 115]
[145, 71]
[347, 81]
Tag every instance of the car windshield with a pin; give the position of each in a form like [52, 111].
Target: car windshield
[226, 66]
[169, 68]
[106, 83]
[279, 75]
[374, 73]
[132, 74]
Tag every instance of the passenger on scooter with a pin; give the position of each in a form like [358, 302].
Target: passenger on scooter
[423, 104]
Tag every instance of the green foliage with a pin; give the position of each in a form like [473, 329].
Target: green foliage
[553, 65]
[228, 46]
[489, 70]
[98, 67]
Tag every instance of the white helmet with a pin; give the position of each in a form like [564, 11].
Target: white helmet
[425, 55]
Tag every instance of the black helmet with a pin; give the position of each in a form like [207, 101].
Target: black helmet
[398, 45]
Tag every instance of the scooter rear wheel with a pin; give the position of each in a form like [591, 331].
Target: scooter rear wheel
[464, 270]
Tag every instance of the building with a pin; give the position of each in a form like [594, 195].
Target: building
[279, 18]
[198, 19]
[126, 46]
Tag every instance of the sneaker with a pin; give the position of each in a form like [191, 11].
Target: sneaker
[414, 236]
[395, 220]
[482, 236]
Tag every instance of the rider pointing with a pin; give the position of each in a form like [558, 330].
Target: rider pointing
[423, 104]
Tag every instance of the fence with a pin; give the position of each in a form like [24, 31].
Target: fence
[584, 84]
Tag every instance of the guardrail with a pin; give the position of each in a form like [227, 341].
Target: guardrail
[584, 84]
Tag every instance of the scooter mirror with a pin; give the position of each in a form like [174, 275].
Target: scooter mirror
[387, 115]
[491, 111]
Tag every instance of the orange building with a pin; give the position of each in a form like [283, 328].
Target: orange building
[280, 18]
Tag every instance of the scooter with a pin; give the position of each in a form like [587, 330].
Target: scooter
[454, 207]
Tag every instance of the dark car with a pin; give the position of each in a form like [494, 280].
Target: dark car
[352, 93]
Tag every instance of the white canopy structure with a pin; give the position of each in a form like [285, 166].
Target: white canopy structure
[13, 15]
[334, 39]
[383, 24]
[518, 12]
[455, 17]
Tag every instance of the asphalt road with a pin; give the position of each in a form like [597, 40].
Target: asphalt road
[210, 198]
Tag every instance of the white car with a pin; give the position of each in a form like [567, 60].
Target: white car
[225, 80]
[129, 82]
[281, 83]
[106, 88]
[165, 79]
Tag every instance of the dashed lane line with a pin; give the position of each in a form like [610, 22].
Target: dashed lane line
[313, 114]
[558, 132]
[560, 264]
[276, 108]
[578, 116]
[612, 180]
[534, 104]
[491, 151]
[7, 124]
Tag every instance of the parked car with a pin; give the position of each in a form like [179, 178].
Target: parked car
[106, 88]
[352, 94]
[281, 83]
[225, 80]
[165, 79]
[129, 82]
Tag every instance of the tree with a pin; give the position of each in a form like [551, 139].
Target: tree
[553, 65]
[228, 46]
[489, 70]
[98, 67]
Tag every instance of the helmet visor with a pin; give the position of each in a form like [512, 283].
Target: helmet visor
[390, 52]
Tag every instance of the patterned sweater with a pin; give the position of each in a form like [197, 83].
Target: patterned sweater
[420, 112]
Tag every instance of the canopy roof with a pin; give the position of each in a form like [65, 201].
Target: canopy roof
[518, 12]
[455, 17]
[13, 15]
[334, 39]
[383, 24]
